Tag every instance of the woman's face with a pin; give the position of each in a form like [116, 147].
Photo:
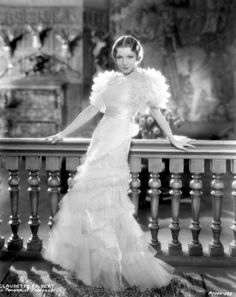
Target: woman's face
[126, 59]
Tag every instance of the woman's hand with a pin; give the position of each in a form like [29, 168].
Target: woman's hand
[54, 138]
[180, 142]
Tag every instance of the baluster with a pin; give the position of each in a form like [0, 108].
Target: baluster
[155, 166]
[2, 240]
[176, 168]
[196, 168]
[33, 165]
[218, 167]
[232, 247]
[53, 167]
[71, 165]
[134, 192]
[15, 242]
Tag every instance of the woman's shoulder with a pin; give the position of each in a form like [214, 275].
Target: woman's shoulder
[105, 75]
[154, 87]
[102, 79]
[151, 74]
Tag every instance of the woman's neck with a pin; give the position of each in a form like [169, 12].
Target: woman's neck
[131, 73]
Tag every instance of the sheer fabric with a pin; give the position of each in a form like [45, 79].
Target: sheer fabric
[95, 235]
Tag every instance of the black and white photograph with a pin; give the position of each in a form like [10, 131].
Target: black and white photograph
[117, 148]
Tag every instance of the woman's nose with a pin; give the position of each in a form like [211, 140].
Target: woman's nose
[125, 62]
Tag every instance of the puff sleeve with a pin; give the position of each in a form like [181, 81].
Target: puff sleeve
[155, 89]
[99, 86]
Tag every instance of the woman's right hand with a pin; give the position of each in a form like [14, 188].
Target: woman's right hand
[54, 138]
[180, 142]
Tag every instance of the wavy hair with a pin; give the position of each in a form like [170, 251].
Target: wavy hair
[128, 41]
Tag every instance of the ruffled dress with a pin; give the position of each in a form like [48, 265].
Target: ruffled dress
[95, 235]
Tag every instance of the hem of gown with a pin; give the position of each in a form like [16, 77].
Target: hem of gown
[121, 279]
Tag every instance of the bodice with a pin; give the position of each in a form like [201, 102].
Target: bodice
[122, 96]
[119, 97]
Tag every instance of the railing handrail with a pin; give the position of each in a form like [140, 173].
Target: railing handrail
[34, 151]
[204, 149]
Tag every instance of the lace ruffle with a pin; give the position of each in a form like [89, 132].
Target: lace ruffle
[103, 244]
[149, 88]
[100, 83]
[98, 238]
[155, 89]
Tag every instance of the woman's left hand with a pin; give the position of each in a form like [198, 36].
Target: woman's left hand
[180, 142]
[54, 138]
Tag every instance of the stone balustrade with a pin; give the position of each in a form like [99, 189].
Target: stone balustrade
[221, 155]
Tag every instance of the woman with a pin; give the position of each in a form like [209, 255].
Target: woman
[98, 238]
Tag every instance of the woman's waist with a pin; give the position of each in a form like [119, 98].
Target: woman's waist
[117, 112]
[114, 127]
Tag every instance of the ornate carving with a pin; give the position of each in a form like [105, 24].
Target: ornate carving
[69, 40]
[39, 21]
[38, 15]
[10, 38]
[32, 112]
[41, 63]
[95, 18]
[45, 16]
[39, 33]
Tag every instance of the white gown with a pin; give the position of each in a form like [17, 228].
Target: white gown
[95, 235]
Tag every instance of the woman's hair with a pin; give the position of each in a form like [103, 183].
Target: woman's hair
[128, 41]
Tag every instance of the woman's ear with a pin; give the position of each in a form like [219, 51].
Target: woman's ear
[138, 60]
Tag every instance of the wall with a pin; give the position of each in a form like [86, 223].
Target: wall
[34, 30]
[33, 3]
[99, 4]
[186, 40]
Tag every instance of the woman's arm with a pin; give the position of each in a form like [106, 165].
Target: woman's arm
[83, 117]
[162, 122]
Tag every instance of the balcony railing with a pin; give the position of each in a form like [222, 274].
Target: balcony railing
[36, 153]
